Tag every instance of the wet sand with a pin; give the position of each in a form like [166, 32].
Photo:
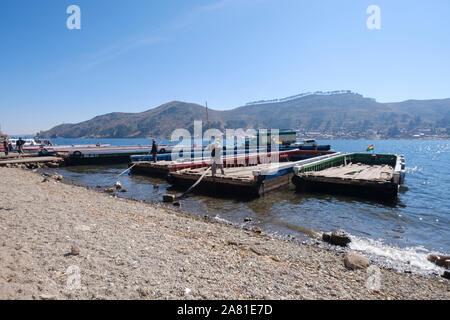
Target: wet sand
[135, 250]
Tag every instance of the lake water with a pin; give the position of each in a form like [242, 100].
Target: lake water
[398, 234]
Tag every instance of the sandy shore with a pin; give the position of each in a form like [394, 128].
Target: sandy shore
[134, 250]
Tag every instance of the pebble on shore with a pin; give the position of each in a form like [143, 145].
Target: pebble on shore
[339, 238]
[168, 198]
[355, 261]
[75, 250]
[440, 260]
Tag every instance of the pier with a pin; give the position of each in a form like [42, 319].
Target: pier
[93, 154]
[30, 160]
[13, 155]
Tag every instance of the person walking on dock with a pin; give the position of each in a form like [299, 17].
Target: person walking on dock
[154, 150]
[19, 145]
[216, 156]
[6, 147]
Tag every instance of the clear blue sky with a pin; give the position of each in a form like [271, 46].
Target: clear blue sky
[134, 55]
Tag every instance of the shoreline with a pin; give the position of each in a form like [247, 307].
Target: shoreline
[136, 250]
[403, 259]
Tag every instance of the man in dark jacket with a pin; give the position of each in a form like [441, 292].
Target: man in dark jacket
[19, 145]
[154, 150]
[5, 146]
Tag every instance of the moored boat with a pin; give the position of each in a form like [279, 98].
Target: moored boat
[372, 175]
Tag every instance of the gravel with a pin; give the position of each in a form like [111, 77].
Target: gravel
[127, 249]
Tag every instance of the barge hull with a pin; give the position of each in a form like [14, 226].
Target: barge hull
[158, 169]
[369, 175]
[217, 186]
[387, 190]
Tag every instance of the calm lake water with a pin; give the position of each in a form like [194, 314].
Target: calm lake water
[399, 234]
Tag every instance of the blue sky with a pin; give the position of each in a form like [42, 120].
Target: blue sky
[131, 56]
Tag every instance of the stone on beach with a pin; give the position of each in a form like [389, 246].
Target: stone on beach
[110, 190]
[83, 228]
[168, 198]
[354, 261]
[339, 238]
[52, 165]
[57, 177]
[257, 229]
[75, 250]
[439, 260]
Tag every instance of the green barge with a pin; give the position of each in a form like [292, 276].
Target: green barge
[372, 175]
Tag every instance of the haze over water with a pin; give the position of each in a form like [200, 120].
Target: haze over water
[405, 231]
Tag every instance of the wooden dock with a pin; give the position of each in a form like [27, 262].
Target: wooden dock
[373, 175]
[13, 155]
[29, 160]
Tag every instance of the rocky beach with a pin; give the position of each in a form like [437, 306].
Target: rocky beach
[61, 241]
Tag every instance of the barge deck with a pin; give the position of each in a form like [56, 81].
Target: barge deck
[373, 175]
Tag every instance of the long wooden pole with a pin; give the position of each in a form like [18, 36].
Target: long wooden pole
[207, 119]
[195, 184]
[127, 170]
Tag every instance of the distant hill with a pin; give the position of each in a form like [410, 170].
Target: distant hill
[343, 114]
[157, 122]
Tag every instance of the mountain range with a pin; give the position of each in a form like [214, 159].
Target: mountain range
[340, 115]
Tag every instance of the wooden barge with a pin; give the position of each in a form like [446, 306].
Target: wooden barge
[95, 155]
[197, 153]
[247, 181]
[92, 155]
[371, 175]
[144, 165]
